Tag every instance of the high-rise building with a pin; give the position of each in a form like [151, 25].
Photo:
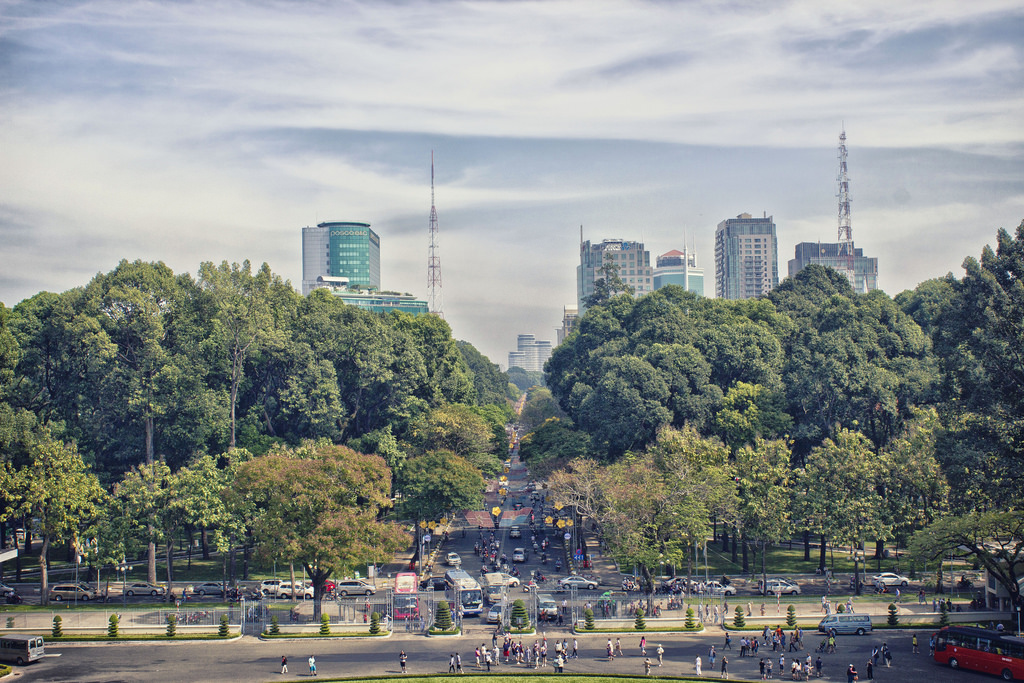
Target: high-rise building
[679, 268]
[341, 249]
[861, 270]
[531, 353]
[633, 261]
[746, 257]
[570, 314]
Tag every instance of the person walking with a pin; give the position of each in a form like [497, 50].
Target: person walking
[817, 666]
[487, 660]
[476, 653]
[728, 641]
[887, 655]
[575, 649]
[647, 666]
[914, 642]
[402, 658]
[451, 663]
[284, 664]
[711, 658]
[725, 667]
[643, 646]
[696, 665]
[312, 665]
[458, 663]
[611, 652]
[869, 670]
[851, 674]
[618, 647]
[661, 654]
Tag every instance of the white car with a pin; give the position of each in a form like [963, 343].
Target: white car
[889, 579]
[781, 587]
[453, 560]
[509, 580]
[515, 532]
[302, 590]
[575, 581]
[354, 587]
[519, 555]
[716, 588]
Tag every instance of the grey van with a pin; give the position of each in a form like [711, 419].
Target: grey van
[846, 623]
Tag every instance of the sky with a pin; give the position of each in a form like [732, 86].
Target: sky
[215, 130]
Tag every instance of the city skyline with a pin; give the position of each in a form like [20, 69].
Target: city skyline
[186, 133]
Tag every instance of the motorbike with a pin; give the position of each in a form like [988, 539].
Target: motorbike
[14, 599]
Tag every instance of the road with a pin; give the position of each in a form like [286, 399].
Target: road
[252, 660]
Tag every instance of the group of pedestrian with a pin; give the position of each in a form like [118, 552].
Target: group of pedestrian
[311, 661]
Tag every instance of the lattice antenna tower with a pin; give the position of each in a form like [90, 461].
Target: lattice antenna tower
[845, 230]
[434, 261]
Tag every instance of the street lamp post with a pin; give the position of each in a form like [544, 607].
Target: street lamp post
[124, 568]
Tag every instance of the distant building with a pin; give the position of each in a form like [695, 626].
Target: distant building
[378, 302]
[861, 270]
[679, 268]
[531, 353]
[633, 260]
[746, 257]
[340, 249]
[570, 314]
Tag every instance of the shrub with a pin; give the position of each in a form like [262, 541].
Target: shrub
[112, 626]
[172, 625]
[443, 621]
[791, 616]
[691, 622]
[325, 625]
[57, 631]
[375, 623]
[639, 624]
[944, 614]
[223, 630]
[840, 608]
[10, 622]
[893, 619]
[588, 619]
[275, 628]
[739, 621]
[519, 618]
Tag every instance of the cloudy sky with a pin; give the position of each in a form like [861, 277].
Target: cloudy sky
[215, 130]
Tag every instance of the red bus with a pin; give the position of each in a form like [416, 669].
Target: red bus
[407, 604]
[979, 649]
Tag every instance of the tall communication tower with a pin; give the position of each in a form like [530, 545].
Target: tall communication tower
[434, 261]
[845, 230]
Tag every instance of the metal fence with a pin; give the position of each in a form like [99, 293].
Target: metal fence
[618, 606]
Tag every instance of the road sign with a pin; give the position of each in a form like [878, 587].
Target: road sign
[567, 536]
[495, 510]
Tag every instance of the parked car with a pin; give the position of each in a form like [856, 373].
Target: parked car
[716, 588]
[889, 579]
[357, 587]
[5, 590]
[453, 560]
[144, 588]
[270, 587]
[73, 591]
[515, 532]
[302, 590]
[781, 587]
[208, 588]
[576, 581]
[519, 555]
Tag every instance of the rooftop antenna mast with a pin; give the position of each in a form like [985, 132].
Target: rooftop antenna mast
[434, 261]
[845, 230]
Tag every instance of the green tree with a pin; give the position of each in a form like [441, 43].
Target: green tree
[112, 626]
[172, 625]
[56, 489]
[439, 482]
[320, 505]
[690, 623]
[57, 630]
[893, 619]
[443, 620]
[325, 624]
[608, 284]
[763, 481]
[223, 630]
[490, 383]
[520, 619]
[738, 619]
[588, 619]
[993, 539]
[240, 301]
[791, 616]
[375, 623]
[639, 624]
[749, 412]
[838, 492]
[553, 445]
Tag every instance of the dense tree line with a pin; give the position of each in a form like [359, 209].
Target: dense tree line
[178, 402]
[890, 415]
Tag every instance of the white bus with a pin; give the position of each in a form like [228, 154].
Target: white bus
[466, 590]
[20, 649]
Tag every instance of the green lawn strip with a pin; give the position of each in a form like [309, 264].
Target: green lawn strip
[649, 629]
[4, 670]
[353, 634]
[100, 638]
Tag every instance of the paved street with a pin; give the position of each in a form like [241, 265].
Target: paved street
[252, 660]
